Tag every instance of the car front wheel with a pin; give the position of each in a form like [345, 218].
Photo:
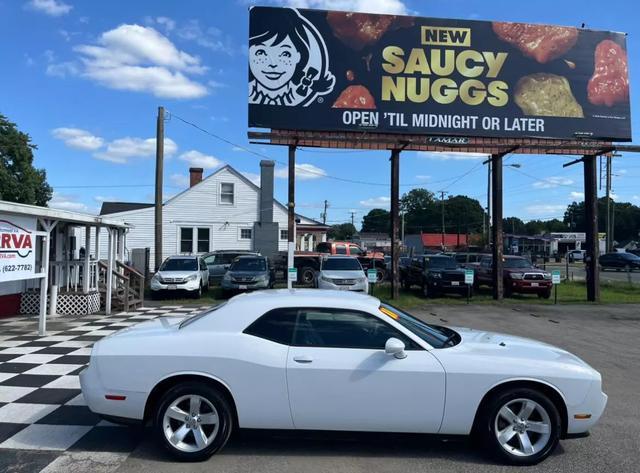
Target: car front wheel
[521, 426]
[193, 421]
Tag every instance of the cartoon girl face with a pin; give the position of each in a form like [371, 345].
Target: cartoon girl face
[273, 65]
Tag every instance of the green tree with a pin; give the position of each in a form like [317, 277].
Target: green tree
[462, 214]
[513, 225]
[377, 220]
[341, 231]
[420, 211]
[19, 180]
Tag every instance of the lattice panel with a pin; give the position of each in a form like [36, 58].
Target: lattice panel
[68, 304]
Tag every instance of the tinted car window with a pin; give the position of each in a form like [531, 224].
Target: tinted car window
[179, 264]
[354, 250]
[323, 248]
[341, 264]
[209, 260]
[248, 264]
[276, 325]
[517, 263]
[337, 328]
[440, 262]
[341, 250]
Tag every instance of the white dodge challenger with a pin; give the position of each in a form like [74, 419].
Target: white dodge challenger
[327, 360]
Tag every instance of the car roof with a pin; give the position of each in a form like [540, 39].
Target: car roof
[340, 257]
[256, 256]
[309, 298]
[184, 257]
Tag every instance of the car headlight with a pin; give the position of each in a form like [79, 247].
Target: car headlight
[436, 275]
[546, 275]
[191, 277]
[324, 278]
[156, 277]
[261, 277]
[227, 277]
[516, 275]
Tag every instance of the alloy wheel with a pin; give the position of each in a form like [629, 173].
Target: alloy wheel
[191, 423]
[522, 427]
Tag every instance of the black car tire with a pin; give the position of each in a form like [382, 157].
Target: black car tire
[212, 396]
[307, 275]
[489, 419]
[198, 293]
[545, 294]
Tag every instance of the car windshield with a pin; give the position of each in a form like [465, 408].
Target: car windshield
[248, 264]
[442, 262]
[193, 318]
[517, 263]
[435, 335]
[179, 264]
[341, 264]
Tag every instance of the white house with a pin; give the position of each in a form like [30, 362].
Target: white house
[221, 212]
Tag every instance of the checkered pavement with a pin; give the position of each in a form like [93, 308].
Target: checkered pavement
[41, 405]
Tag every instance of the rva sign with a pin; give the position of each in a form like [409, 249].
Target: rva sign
[17, 252]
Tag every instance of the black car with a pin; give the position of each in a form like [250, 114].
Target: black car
[435, 274]
[619, 261]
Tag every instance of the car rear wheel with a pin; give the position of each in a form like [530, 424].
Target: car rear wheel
[193, 421]
[520, 426]
[307, 275]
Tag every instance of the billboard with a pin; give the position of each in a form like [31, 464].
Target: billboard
[17, 252]
[337, 71]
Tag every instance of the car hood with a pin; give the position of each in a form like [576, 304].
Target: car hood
[516, 348]
[150, 327]
[176, 274]
[342, 274]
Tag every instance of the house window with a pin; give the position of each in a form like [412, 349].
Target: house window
[284, 234]
[204, 236]
[226, 193]
[186, 240]
[245, 234]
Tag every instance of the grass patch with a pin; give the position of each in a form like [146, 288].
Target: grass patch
[572, 292]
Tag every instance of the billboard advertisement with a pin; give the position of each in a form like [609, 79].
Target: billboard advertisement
[17, 252]
[318, 70]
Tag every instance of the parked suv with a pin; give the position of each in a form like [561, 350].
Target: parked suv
[435, 274]
[219, 261]
[576, 255]
[186, 273]
[519, 274]
[248, 272]
[343, 273]
[618, 261]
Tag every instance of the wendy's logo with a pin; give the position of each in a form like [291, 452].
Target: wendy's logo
[288, 60]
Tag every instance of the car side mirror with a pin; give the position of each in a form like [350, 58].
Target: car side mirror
[395, 347]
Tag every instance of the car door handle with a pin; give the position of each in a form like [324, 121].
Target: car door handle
[302, 359]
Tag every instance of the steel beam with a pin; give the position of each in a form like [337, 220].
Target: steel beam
[496, 228]
[591, 224]
[395, 223]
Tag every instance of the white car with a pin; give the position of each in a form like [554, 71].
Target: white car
[186, 273]
[342, 273]
[330, 360]
[576, 255]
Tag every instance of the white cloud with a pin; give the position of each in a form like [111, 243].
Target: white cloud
[62, 69]
[50, 7]
[396, 7]
[103, 198]
[253, 177]
[211, 38]
[576, 195]
[179, 180]
[168, 24]
[545, 210]
[551, 182]
[237, 148]
[77, 138]
[451, 156]
[67, 202]
[304, 172]
[381, 202]
[122, 149]
[422, 177]
[200, 160]
[140, 59]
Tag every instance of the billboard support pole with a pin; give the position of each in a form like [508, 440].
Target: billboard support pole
[395, 222]
[291, 213]
[591, 220]
[496, 228]
[158, 197]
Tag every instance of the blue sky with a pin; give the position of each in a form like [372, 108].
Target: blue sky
[85, 78]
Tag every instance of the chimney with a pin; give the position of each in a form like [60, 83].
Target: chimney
[195, 176]
[266, 191]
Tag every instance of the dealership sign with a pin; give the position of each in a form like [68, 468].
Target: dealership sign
[334, 71]
[17, 252]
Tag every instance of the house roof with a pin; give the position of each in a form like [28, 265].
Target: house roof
[115, 207]
[58, 214]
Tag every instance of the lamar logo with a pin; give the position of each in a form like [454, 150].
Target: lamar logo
[444, 36]
[14, 240]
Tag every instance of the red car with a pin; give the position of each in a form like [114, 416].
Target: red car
[520, 276]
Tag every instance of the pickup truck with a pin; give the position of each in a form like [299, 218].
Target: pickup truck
[519, 274]
[435, 274]
[308, 262]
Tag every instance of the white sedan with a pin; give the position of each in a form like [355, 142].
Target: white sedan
[330, 360]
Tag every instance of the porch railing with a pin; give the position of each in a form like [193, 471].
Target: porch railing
[128, 288]
[70, 275]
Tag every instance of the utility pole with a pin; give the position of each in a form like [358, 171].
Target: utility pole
[324, 213]
[159, 184]
[488, 227]
[442, 193]
[291, 213]
[352, 217]
[609, 228]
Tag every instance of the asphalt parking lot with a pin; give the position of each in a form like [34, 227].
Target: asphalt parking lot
[605, 336]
